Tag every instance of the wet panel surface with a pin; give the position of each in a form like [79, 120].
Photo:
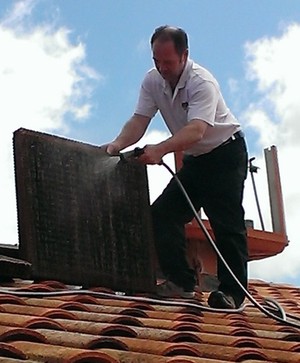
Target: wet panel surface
[84, 217]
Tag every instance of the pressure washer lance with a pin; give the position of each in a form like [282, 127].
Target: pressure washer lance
[132, 154]
[270, 302]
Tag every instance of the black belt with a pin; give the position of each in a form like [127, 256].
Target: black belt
[236, 135]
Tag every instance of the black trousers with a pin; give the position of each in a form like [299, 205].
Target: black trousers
[215, 182]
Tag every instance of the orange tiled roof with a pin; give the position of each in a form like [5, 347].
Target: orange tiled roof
[83, 327]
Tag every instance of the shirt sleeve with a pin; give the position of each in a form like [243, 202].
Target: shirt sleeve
[203, 102]
[146, 105]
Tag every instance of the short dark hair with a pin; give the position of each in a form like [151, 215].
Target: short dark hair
[166, 33]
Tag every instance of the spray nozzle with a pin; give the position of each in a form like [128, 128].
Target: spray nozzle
[135, 153]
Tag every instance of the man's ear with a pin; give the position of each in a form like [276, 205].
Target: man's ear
[185, 54]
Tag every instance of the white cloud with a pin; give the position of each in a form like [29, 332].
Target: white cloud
[20, 10]
[43, 78]
[273, 64]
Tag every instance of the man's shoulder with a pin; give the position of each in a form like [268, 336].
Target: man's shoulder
[152, 73]
[152, 78]
[200, 74]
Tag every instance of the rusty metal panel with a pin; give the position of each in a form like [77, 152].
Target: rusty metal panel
[83, 216]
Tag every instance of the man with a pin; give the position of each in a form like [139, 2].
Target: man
[213, 172]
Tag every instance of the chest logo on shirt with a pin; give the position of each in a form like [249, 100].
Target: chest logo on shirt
[185, 105]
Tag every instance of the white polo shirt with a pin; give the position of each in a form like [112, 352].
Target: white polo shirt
[196, 96]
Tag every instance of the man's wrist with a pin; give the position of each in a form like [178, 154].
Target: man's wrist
[166, 147]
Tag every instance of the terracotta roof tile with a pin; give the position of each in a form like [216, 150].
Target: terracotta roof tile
[48, 353]
[8, 334]
[83, 326]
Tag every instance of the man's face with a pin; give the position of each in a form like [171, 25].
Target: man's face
[167, 61]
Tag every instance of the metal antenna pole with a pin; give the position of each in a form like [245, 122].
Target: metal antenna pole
[253, 169]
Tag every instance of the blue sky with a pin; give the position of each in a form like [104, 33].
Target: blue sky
[116, 35]
[74, 68]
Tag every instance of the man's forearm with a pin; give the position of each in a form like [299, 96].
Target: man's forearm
[184, 138]
[132, 131]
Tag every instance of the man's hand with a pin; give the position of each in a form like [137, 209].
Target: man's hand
[131, 132]
[112, 148]
[152, 154]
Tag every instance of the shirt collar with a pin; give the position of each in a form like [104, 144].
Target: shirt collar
[184, 75]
